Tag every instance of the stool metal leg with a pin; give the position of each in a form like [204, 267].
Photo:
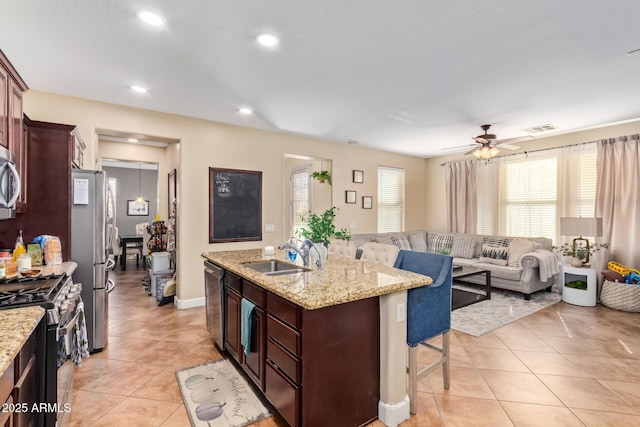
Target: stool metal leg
[447, 360]
[415, 375]
[413, 380]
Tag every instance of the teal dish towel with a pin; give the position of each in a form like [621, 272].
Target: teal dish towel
[246, 308]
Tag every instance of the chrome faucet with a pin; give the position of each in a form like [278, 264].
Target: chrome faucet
[304, 251]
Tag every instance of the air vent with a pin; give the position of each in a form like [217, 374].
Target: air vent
[542, 128]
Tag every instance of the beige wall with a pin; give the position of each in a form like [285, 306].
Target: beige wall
[436, 219]
[205, 144]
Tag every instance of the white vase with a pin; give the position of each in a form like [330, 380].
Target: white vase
[318, 250]
[576, 262]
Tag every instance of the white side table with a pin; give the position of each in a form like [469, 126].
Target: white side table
[579, 285]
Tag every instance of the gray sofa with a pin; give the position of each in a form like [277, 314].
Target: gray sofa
[515, 267]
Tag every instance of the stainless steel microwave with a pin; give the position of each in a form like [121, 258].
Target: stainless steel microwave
[9, 184]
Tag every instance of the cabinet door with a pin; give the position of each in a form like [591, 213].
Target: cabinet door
[254, 361]
[232, 322]
[25, 392]
[4, 107]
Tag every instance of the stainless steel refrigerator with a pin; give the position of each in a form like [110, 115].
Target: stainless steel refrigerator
[92, 225]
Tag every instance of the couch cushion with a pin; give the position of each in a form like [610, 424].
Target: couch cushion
[464, 245]
[467, 262]
[418, 241]
[400, 241]
[518, 247]
[500, 271]
[495, 251]
[437, 242]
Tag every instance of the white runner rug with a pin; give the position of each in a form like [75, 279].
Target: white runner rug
[216, 395]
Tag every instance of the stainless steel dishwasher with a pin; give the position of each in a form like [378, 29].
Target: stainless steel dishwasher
[214, 298]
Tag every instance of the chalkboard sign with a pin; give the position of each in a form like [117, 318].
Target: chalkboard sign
[235, 205]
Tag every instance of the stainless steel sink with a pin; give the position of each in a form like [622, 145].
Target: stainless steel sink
[275, 267]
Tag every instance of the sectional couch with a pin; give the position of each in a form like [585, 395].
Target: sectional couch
[525, 265]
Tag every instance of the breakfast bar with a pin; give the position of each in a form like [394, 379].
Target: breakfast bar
[330, 344]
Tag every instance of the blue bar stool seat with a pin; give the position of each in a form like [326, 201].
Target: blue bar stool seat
[428, 314]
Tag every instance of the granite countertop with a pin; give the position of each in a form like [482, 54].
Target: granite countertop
[16, 325]
[340, 280]
[67, 268]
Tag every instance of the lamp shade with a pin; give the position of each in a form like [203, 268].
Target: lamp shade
[581, 226]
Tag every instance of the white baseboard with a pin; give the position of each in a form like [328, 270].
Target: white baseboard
[182, 304]
[393, 415]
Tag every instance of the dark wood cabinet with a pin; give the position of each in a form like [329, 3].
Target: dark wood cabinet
[49, 151]
[6, 418]
[11, 89]
[232, 321]
[316, 367]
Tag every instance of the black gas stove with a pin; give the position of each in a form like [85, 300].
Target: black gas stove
[33, 291]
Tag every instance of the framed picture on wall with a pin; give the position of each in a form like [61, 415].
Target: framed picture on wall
[137, 208]
[367, 202]
[350, 196]
[358, 176]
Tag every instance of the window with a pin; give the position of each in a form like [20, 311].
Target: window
[300, 198]
[390, 199]
[525, 195]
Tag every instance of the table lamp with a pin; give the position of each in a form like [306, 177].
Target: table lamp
[581, 227]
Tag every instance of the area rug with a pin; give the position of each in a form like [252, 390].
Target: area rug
[503, 308]
[216, 395]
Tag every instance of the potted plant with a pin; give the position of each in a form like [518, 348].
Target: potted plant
[320, 228]
[321, 176]
[579, 254]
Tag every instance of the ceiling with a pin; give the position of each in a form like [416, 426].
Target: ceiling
[408, 76]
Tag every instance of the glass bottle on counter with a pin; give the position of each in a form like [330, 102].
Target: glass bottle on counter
[19, 249]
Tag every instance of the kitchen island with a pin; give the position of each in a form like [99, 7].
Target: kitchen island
[327, 346]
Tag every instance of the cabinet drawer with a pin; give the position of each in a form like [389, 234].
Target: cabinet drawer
[287, 363]
[254, 293]
[282, 394]
[284, 335]
[284, 310]
[233, 281]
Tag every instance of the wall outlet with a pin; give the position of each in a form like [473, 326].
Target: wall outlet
[352, 225]
[269, 228]
[402, 312]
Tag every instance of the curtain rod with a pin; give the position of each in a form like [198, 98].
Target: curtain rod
[529, 151]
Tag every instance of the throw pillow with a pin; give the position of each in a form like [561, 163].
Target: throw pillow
[418, 241]
[495, 251]
[400, 241]
[439, 242]
[464, 246]
[518, 247]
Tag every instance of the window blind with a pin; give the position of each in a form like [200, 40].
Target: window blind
[300, 198]
[390, 199]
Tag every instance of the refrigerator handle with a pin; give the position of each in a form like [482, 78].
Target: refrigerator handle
[109, 264]
[110, 286]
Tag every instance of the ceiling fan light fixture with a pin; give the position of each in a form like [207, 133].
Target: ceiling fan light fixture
[485, 152]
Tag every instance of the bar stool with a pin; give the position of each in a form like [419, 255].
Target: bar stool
[428, 314]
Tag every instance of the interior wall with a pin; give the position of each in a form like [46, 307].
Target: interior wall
[127, 189]
[436, 219]
[205, 144]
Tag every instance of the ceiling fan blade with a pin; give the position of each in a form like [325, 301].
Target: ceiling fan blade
[472, 151]
[509, 147]
[516, 139]
[457, 146]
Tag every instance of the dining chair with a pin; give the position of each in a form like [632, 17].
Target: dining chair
[116, 246]
[379, 253]
[428, 315]
[343, 248]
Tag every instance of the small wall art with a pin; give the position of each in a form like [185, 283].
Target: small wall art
[367, 202]
[358, 176]
[350, 196]
[137, 208]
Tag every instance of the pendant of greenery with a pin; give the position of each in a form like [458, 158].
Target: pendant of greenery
[320, 228]
[321, 176]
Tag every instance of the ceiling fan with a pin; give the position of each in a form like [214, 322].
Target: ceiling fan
[488, 143]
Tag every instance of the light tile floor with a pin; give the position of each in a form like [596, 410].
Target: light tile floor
[563, 366]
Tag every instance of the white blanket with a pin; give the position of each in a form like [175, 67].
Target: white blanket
[547, 261]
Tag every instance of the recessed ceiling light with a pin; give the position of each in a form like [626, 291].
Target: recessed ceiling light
[132, 140]
[150, 18]
[268, 40]
[138, 89]
[245, 111]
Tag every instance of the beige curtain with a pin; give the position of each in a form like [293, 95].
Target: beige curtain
[462, 206]
[618, 197]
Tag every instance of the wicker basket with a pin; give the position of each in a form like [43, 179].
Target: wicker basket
[621, 296]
